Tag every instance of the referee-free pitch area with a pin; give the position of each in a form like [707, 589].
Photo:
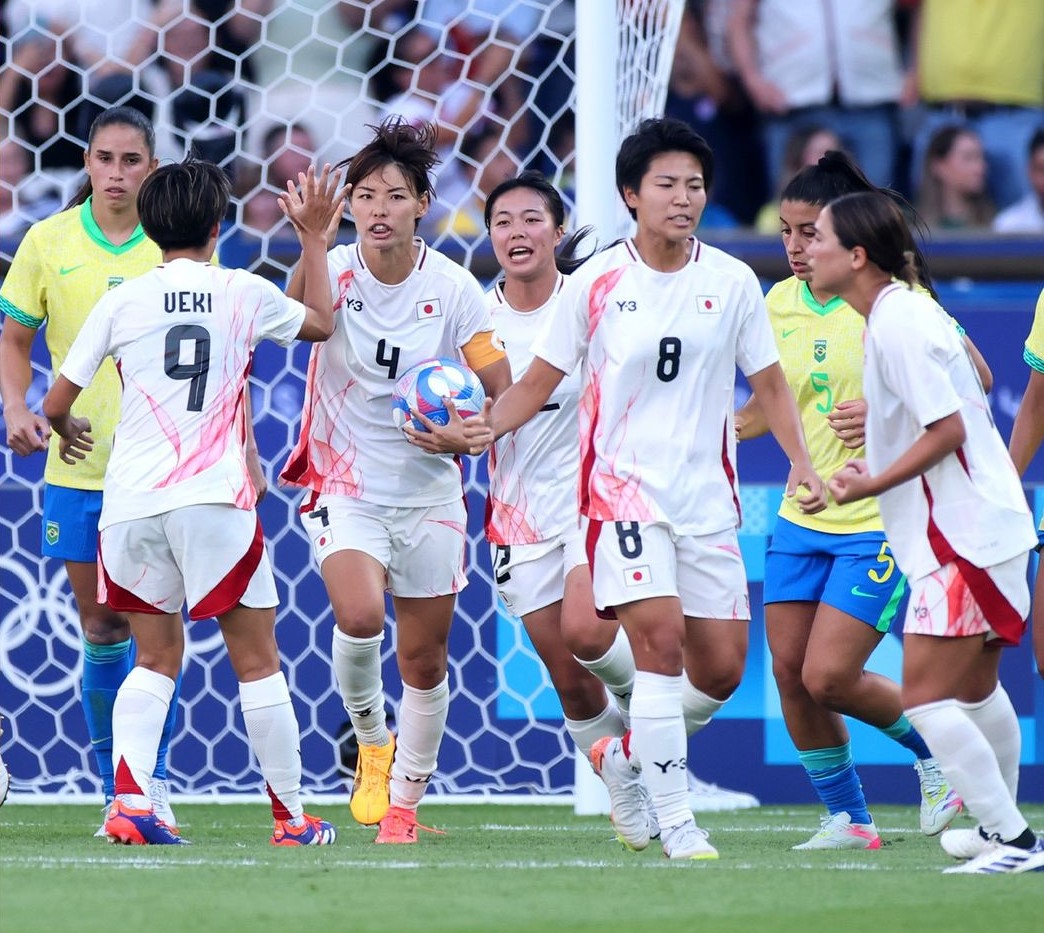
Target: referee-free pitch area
[498, 868]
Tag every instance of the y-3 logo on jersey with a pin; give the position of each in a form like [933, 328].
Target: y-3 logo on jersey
[819, 348]
[627, 305]
[353, 304]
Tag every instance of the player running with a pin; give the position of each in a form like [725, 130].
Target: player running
[383, 513]
[178, 523]
[953, 509]
[660, 321]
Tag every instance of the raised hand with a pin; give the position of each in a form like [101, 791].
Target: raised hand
[315, 205]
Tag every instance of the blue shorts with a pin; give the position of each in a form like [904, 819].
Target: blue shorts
[854, 573]
[70, 523]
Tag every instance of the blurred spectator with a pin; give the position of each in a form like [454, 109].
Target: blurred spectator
[981, 62]
[484, 163]
[832, 62]
[312, 63]
[286, 151]
[24, 198]
[953, 192]
[44, 96]
[704, 92]
[806, 146]
[1027, 215]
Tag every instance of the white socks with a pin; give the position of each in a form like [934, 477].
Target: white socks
[138, 715]
[697, 707]
[357, 667]
[588, 731]
[658, 739]
[997, 720]
[970, 765]
[615, 669]
[275, 738]
[422, 723]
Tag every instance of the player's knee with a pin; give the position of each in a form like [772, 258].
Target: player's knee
[788, 677]
[359, 621]
[828, 687]
[102, 626]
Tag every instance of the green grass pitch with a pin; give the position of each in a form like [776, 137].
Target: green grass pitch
[508, 869]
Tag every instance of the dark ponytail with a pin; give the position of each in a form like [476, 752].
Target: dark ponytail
[836, 175]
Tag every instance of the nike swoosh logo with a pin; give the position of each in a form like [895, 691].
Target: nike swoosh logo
[787, 333]
[65, 270]
[858, 592]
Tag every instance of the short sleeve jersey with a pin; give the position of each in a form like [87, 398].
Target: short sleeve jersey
[1034, 351]
[182, 337]
[63, 266]
[917, 371]
[533, 470]
[349, 444]
[660, 352]
[821, 352]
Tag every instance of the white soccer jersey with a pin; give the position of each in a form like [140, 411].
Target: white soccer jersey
[182, 337]
[349, 444]
[534, 470]
[660, 351]
[917, 371]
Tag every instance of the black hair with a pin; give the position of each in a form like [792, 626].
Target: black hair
[397, 142]
[116, 116]
[180, 204]
[874, 221]
[566, 260]
[835, 175]
[1036, 141]
[654, 137]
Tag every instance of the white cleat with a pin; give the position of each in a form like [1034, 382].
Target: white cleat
[632, 815]
[710, 798]
[839, 832]
[1000, 859]
[688, 841]
[964, 843]
[940, 804]
[159, 794]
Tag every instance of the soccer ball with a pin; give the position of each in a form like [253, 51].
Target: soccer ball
[423, 387]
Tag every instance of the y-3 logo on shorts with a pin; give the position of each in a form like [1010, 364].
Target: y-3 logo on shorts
[51, 533]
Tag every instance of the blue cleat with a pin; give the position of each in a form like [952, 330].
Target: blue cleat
[139, 827]
[312, 832]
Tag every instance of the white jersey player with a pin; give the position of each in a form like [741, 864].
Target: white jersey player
[537, 550]
[954, 512]
[384, 510]
[660, 323]
[177, 522]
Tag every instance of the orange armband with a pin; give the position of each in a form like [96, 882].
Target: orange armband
[482, 350]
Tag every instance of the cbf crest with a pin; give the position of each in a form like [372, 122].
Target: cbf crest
[819, 350]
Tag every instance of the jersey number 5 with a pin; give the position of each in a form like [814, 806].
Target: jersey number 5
[196, 371]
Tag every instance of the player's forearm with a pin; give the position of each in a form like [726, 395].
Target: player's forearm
[316, 285]
[523, 399]
[780, 412]
[750, 420]
[1027, 434]
[16, 374]
[939, 440]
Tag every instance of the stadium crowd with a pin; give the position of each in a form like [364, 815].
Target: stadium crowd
[905, 86]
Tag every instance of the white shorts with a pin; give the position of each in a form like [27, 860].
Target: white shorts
[960, 599]
[211, 556]
[532, 576]
[640, 560]
[421, 549]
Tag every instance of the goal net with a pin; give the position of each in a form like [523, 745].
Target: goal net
[264, 88]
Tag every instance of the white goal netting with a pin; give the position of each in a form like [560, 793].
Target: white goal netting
[265, 87]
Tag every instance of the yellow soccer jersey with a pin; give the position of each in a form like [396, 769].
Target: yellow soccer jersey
[1034, 352]
[62, 267]
[821, 352]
